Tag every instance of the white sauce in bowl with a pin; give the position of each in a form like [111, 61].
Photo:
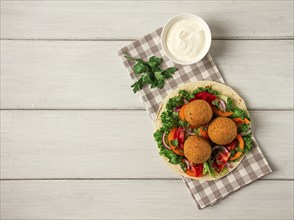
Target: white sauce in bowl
[185, 39]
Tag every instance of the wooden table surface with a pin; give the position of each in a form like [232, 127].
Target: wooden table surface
[76, 143]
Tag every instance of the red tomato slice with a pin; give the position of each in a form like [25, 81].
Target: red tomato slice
[197, 169]
[206, 96]
[231, 145]
[222, 158]
[218, 168]
[179, 135]
[181, 146]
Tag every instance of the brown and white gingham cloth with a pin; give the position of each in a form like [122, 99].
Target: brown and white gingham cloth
[204, 193]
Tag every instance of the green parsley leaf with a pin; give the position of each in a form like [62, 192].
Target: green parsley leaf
[171, 70]
[146, 79]
[139, 68]
[174, 142]
[160, 84]
[159, 76]
[137, 85]
[154, 61]
[155, 69]
[151, 72]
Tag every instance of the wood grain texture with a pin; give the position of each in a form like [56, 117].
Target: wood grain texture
[83, 75]
[113, 144]
[59, 64]
[115, 19]
[138, 200]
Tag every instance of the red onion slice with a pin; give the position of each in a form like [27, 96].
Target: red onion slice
[176, 109]
[163, 141]
[228, 165]
[225, 149]
[187, 163]
[223, 105]
[186, 101]
[244, 133]
[215, 148]
[223, 153]
[192, 134]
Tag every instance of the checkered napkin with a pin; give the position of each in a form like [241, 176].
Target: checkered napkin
[204, 193]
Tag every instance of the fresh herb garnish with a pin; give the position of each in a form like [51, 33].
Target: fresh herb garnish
[229, 104]
[174, 142]
[151, 73]
[243, 128]
[205, 89]
[247, 143]
[239, 113]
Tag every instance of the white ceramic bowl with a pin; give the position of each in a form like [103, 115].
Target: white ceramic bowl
[207, 41]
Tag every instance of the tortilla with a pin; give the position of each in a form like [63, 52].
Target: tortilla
[223, 90]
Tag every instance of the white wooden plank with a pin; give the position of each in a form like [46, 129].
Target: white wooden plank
[79, 74]
[108, 19]
[113, 144]
[139, 200]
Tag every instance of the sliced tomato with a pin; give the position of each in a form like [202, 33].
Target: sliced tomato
[180, 135]
[218, 167]
[222, 157]
[181, 146]
[232, 145]
[206, 96]
[197, 169]
[170, 137]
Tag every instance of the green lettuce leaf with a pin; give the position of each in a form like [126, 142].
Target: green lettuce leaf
[239, 113]
[243, 128]
[229, 104]
[205, 89]
[206, 168]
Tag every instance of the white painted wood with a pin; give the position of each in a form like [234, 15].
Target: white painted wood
[139, 199]
[81, 74]
[113, 144]
[132, 19]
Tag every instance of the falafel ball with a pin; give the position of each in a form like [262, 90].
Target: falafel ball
[198, 113]
[222, 130]
[197, 149]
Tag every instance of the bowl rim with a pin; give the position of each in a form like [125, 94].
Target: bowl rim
[176, 18]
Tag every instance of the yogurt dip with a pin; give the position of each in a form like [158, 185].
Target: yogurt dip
[186, 39]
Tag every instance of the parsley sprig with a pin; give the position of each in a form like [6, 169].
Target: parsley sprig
[151, 72]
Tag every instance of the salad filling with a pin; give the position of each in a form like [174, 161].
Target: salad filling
[175, 130]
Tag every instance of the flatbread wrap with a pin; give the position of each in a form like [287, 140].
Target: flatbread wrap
[203, 130]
